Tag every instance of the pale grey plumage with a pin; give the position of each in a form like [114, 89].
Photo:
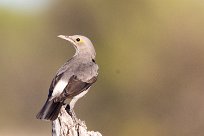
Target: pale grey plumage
[73, 79]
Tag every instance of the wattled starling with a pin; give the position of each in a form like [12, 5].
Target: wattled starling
[73, 80]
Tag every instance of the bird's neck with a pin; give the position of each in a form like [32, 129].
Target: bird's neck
[86, 57]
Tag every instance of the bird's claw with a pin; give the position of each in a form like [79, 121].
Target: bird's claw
[75, 119]
[73, 116]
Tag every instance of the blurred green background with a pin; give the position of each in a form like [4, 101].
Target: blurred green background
[150, 53]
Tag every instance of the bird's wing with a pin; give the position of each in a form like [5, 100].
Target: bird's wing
[75, 87]
[53, 84]
[58, 76]
[64, 67]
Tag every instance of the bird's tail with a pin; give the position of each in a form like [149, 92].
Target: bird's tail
[50, 110]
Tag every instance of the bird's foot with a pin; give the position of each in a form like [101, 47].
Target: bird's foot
[69, 111]
[75, 119]
[73, 115]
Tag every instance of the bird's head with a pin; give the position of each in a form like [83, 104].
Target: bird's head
[82, 45]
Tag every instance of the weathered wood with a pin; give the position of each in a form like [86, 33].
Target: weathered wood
[65, 125]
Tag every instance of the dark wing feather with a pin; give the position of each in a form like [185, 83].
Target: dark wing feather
[54, 82]
[75, 87]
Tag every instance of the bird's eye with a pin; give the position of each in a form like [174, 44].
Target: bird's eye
[77, 39]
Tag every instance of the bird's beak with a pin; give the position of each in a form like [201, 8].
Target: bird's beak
[68, 38]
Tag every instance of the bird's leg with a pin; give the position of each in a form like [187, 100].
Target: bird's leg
[71, 112]
[74, 116]
[68, 110]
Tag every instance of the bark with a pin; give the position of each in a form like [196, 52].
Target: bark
[65, 125]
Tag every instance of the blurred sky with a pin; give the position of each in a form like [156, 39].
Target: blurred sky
[24, 5]
[150, 54]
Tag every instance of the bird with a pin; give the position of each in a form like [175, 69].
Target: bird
[73, 79]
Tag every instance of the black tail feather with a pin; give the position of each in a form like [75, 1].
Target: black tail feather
[50, 110]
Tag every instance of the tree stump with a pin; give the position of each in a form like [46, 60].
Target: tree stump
[65, 125]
